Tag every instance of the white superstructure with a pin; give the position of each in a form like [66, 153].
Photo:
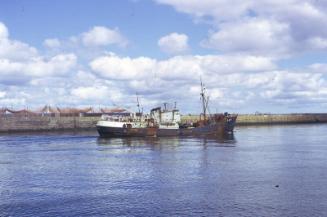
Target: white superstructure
[166, 119]
[117, 121]
[160, 118]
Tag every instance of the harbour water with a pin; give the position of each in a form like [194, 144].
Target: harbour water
[261, 171]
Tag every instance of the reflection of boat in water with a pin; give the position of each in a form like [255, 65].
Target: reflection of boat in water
[166, 122]
[139, 141]
[225, 140]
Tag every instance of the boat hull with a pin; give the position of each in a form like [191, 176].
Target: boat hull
[219, 128]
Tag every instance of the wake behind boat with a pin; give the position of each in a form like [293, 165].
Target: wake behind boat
[165, 122]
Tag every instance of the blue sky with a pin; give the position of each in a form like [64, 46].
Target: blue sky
[268, 56]
[145, 21]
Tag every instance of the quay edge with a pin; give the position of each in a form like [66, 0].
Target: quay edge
[46, 124]
[271, 119]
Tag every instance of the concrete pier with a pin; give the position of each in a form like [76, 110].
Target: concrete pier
[265, 119]
[269, 119]
[42, 123]
[20, 123]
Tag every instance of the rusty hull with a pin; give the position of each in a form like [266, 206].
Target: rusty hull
[217, 127]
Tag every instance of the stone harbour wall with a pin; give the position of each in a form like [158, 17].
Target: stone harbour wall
[39, 123]
[281, 119]
[269, 119]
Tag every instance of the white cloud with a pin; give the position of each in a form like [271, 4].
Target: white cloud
[19, 102]
[20, 62]
[318, 42]
[89, 44]
[103, 36]
[2, 94]
[220, 9]
[233, 82]
[255, 36]
[174, 43]
[290, 25]
[38, 67]
[14, 49]
[192, 67]
[90, 92]
[318, 68]
[287, 86]
[178, 67]
[244, 75]
[3, 31]
[85, 78]
[52, 43]
[114, 67]
[56, 66]
[215, 94]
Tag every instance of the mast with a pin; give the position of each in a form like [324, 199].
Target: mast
[138, 105]
[204, 106]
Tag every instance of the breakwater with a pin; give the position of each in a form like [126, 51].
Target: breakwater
[21, 123]
[281, 119]
[270, 119]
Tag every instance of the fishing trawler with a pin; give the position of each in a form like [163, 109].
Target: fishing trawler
[163, 121]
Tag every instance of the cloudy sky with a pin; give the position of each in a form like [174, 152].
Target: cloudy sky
[266, 56]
